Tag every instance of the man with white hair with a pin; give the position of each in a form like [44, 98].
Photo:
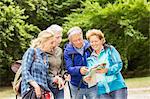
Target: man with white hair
[75, 54]
[56, 67]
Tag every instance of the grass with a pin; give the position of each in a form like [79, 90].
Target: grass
[139, 92]
[6, 91]
[131, 83]
[138, 82]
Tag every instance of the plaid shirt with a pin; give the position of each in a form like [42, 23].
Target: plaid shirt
[34, 69]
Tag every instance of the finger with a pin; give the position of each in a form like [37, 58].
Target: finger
[85, 68]
[38, 92]
[38, 95]
[59, 86]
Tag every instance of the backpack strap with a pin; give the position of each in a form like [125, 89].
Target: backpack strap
[18, 78]
[90, 49]
[72, 56]
[109, 46]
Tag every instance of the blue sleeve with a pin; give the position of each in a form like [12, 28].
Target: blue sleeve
[27, 60]
[116, 65]
[73, 70]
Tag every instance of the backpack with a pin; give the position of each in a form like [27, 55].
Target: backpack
[17, 68]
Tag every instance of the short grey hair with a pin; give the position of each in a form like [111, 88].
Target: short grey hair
[55, 28]
[74, 30]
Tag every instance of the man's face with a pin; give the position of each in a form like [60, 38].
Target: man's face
[77, 40]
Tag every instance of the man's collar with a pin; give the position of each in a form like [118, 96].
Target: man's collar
[79, 48]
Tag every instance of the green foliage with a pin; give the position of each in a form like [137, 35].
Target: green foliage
[124, 22]
[42, 13]
[20, 20]
[15, 34]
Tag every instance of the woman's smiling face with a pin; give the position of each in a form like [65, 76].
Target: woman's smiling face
[95, 42]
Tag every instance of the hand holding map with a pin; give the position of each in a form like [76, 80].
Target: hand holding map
[91, 76]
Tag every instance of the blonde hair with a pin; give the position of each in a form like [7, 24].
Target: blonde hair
[97, 33]
[42, 37]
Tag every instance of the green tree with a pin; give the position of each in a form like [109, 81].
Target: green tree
[42, 13]
[125, 24]
[15, 35]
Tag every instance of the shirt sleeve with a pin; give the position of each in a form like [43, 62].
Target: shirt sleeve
[73, 70]
[62, 68]
[116, 65]
[26, 65]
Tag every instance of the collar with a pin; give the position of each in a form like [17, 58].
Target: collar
[95, 54]
[56, 51]
[79, 48]
[71, 50]
[40, 51]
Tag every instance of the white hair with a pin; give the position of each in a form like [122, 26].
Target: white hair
[74, 30]
[55, 28]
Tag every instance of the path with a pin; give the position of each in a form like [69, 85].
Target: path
[134, 93]
[139, 93]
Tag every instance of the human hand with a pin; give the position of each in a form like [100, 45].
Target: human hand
[67, 77]
[87, 79]
[104, 70]
[60, 82]
[36, 88]
[38, 91]
[83, 70]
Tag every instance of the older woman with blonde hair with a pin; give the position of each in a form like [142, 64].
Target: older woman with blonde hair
[35, 66]
[110, 82]
[56, 69]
